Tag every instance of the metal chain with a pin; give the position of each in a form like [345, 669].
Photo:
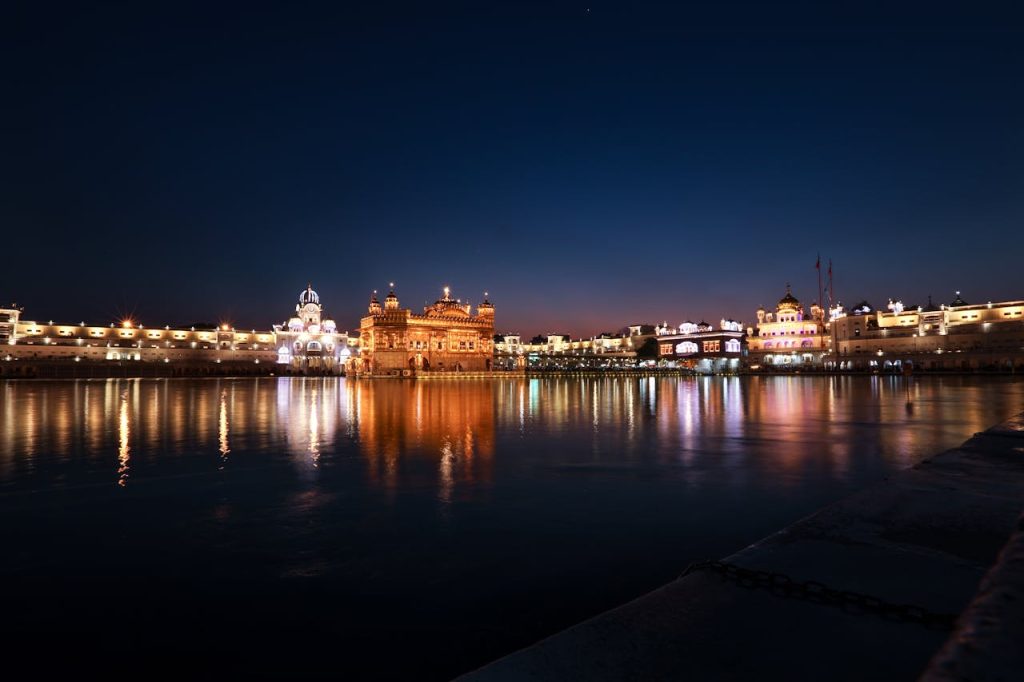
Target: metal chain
[813, 591]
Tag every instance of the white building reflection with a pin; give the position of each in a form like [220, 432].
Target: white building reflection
[308, 413]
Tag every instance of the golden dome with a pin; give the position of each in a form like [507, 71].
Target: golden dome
[391, 300]
[789, 301]
[374, 308]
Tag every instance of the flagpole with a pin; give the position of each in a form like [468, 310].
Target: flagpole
[831, 293]
[817, 266]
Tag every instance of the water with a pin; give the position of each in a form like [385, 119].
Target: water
[400, 529]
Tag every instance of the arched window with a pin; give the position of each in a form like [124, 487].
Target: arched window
[686, 347]
[732, 346]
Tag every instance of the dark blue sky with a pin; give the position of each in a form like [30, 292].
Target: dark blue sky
[636, 162]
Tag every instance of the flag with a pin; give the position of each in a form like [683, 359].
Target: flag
[817, 265]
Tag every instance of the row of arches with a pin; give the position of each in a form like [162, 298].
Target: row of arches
[690, 347]
[806, 343]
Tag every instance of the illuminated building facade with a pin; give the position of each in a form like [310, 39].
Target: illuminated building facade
[309, 342]
[788, 337]
[562, 351]
[9, 324]
[950, 336]
[701, 347]
[446, 337]
[129, 342]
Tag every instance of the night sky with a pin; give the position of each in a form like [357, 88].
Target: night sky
[590, 168]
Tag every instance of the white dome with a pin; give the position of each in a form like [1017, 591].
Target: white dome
[309, 296]
[295, 324]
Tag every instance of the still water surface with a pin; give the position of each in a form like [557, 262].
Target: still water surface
[410, 529]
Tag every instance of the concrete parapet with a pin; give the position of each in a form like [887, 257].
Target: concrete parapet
[988, 644]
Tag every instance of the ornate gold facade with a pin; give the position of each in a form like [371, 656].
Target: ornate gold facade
[447, 337]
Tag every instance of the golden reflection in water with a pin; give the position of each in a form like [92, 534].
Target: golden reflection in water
[203, 422]
[447, 468]
[30, 424]
[178, 417]
[123, 449]
[60, 426]
[7, 430]
[450, 458]
[94, 417]
[403, 425]
[222, 428]
[149, 403]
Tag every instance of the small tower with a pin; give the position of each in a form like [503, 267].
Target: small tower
[485, 309]
[760, 315]
[391, 300]
[375, 308]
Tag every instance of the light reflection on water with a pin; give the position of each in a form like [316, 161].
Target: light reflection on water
[123, 446]
[222, 427]
[521, 504]
[775, 427]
